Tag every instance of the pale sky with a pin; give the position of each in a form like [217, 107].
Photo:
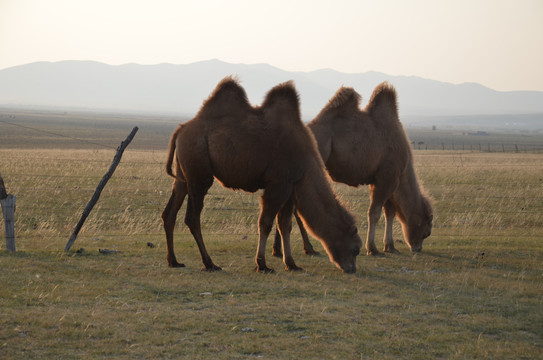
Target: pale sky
[497, 43]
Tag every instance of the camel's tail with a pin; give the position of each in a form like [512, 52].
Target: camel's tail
[383, 102]
[171, 152]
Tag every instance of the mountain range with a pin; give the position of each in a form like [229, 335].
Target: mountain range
[181, 89]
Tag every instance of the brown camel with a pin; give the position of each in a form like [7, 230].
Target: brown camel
[370, 146]
[251, 148]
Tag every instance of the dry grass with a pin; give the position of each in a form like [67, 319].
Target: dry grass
[475, 291]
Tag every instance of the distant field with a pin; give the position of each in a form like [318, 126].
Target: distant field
[475, 291]
[88, 130]
[82, 130]
[476, 140]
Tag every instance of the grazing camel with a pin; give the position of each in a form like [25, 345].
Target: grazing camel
[251, 148]
[370, 146]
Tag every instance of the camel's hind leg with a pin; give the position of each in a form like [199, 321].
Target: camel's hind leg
[169, 216]
[390, 214]
[195, 204]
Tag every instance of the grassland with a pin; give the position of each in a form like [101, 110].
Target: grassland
[475, 291]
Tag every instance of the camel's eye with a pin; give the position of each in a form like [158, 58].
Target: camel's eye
[356, 251]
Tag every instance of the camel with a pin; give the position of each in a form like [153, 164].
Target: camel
[251, 148]
[370, 147]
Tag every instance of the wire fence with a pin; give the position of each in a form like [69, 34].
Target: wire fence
[489, 147]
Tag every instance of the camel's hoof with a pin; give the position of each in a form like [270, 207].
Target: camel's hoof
[212, 267]
[264, 270]
[293, 268]
[176, 265]
[391, 250]
[312, 252]
[374, 253]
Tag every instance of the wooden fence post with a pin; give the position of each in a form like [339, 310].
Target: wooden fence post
[8, 209]
[100, 187]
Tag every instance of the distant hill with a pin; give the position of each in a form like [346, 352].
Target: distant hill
[181, 89]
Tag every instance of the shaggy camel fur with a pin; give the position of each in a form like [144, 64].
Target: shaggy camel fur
[251, 148]
[370, 146]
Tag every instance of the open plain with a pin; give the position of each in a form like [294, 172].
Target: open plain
[475, 290]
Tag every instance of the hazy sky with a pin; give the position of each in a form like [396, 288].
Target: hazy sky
[496, 43]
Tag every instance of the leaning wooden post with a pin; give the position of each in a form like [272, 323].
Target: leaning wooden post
[100, 187]
[8, 209]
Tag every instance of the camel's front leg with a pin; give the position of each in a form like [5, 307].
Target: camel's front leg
[276, 249]
[380, 193]
[273, 199]
[308, 248]
[390, 213]
[284, 222]
[265, 223]
[374, 213]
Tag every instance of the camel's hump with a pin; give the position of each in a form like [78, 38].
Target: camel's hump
[284, 92]
[227, 91]
[384, 96]
[344, 97]
[228, 86]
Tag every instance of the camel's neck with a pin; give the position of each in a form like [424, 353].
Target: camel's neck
[408, 197]
[318, 206]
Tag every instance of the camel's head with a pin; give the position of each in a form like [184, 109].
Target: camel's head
[343, 252]
[419, 227]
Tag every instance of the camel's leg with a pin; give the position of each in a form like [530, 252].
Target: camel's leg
[308, 248]
[195, 205]
[169, 216]
[381, 191]
[374, 213]
[390, 213]
[276, 249]
[284, 222]
[270, 202]
[379, 195]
